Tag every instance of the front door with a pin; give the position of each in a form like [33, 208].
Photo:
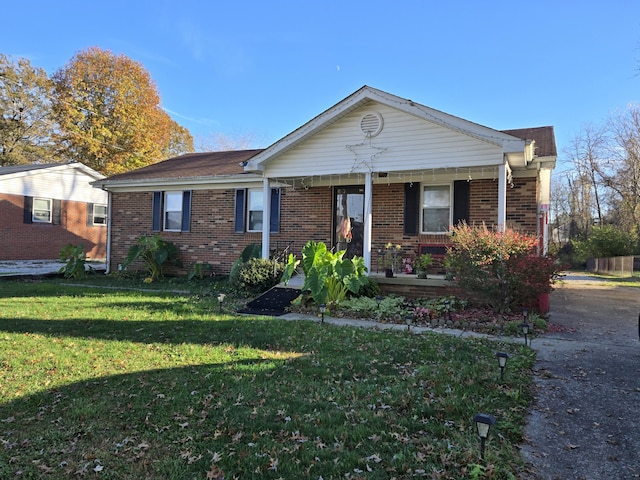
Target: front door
[348, 219]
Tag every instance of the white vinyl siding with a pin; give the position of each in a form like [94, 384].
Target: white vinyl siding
[407, 143]
[41, 212]
[436, 208]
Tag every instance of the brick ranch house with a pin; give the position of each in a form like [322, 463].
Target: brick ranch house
[44, 207]
[392, 169]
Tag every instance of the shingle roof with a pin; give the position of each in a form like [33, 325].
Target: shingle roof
[544, 137]
[202, 164]
[26, 168]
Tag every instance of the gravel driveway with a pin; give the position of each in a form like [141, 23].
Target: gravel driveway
[584, 423]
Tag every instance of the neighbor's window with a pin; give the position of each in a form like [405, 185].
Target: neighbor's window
[254, 211]
[436, 208]
[41, 210]
[99, 214]
[173, 211]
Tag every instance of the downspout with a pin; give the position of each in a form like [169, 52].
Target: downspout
[266, 217]
[502, 197]
[368, 202]
[108, 260]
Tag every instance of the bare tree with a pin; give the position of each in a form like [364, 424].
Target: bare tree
[218, 142]
[623, 168]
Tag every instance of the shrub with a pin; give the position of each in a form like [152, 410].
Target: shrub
[75, 259]
[500, 269]
[155, 253]
[258, 275]
[328, 276]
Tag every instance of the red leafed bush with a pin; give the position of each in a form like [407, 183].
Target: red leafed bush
[499, 268]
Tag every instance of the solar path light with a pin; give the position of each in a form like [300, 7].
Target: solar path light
[502, 362]
[323, 308]
[483, 423]
[221, 300]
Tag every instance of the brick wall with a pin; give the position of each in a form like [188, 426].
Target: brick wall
[43, 241]
[305, 215]
[521, 204]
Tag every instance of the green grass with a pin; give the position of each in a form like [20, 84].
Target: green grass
[126, 384]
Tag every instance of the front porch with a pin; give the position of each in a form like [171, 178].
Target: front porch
[409, 285]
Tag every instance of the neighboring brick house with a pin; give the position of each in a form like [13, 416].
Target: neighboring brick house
[372, 169]
[45, 207]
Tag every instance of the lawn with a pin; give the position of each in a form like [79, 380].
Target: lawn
[129, 384]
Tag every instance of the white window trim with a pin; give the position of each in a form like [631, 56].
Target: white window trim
[100, 216]
[422, 187]
[165, 211]
[34, 219]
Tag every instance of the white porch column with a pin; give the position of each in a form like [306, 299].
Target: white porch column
[266, 216]
[502, 197]
[368, 202]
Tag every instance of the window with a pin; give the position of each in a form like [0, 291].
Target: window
[254, 211]
[436, 208]
[171, 211]
[41, 212]
[249, 210]
[99, 214]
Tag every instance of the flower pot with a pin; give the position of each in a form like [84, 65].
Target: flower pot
[388, 273]
[422, 274]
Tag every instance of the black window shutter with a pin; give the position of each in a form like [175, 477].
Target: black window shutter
[157, 212]
[241, 195]
[274, 226]
[186, 211]
[28, 210]
[89, 214]
[57, 212]
[460, 202]
[411, 208]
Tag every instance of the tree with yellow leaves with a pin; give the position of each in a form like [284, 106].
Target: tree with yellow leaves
[109, 113]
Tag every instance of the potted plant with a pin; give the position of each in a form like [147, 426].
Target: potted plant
[423, 262]
[389, 259]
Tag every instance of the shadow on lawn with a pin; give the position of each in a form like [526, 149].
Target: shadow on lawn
[245, 331]
[133, 424]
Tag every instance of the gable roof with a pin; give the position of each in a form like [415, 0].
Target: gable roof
[186, 167]
[544, 137]
[29, 169]
[509, 143]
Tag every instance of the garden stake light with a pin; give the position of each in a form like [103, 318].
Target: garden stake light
[483, 423]
[379, 299]
[502, 362]
[409, 320]
[525, 330]
[322, 307]
[221, 300]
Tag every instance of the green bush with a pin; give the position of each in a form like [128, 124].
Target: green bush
[75, 259]
[155, 253]
[258, 275]
[328, 275]
[499, 268]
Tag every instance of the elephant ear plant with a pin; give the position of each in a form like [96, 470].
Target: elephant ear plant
[328, 275]
[155, 253]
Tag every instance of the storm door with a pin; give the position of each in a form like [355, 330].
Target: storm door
[349, 220]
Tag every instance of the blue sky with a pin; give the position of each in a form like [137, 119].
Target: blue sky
[263, 68]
